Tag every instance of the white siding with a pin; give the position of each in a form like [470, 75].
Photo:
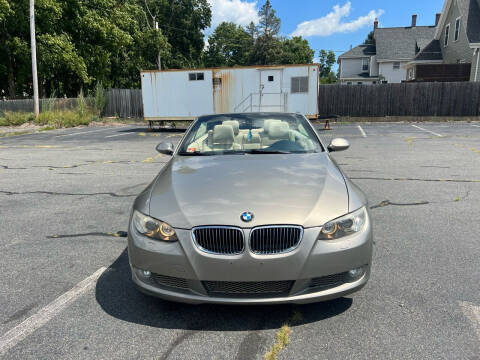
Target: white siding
[373, 66]
[170, 94]
[351, 67]
[393, 75]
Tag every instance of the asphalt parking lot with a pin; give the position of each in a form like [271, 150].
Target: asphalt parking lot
[66, 292]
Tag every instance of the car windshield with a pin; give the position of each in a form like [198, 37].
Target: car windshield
[250, 133]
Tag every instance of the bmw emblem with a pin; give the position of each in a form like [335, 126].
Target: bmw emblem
[246, 216]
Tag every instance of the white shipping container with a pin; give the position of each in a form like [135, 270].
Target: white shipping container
[187, 94]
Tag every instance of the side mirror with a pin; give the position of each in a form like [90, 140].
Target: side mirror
[338, 144]
[165, 148]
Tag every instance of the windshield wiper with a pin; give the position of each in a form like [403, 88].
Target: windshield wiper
[259, 151]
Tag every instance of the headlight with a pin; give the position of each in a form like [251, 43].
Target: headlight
[344, 226]
[153, 228]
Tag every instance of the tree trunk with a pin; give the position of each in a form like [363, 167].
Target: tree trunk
[11, 81]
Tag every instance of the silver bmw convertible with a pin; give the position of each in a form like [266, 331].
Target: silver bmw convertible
[250, 209]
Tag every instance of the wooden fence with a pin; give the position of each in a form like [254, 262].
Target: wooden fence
[124, 103]
[407, 99]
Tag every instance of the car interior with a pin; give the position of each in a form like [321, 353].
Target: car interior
[274, 134]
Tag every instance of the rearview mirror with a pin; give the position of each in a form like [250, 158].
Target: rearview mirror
[338, 144]
[165, 148]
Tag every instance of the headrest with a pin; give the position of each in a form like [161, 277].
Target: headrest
[234, 124]
[223, 134]
[268, 123]
[279, 131]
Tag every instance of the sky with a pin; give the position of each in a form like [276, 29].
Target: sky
[330, 24]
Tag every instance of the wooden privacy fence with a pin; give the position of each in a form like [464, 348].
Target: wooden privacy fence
[407, 99]
[124, 103]
[26, 105]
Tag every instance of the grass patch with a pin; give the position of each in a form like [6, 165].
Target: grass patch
[64, 119]
[282, 341]
[15, 118]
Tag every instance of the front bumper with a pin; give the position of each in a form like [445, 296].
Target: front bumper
[312, 259]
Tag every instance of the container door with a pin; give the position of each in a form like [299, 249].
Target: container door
[271, 97]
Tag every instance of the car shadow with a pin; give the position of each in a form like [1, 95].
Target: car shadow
[116, 294]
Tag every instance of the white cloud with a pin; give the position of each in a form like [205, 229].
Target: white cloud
[332, 22]
[237, 11]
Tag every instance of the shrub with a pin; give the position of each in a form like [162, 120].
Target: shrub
[100, 99]
[13, 118]
[65, 118]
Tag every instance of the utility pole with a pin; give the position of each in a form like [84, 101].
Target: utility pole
[155, 26]
[159, 58]
[36, 108]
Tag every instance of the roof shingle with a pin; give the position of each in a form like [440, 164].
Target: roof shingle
[402, 43]
[360, 51]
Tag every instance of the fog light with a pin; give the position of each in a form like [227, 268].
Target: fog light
[355, 274]
[146, 273]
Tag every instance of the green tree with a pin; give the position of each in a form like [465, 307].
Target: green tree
[268, 46]
[370, 40]
[327, 59]
[82, 42]
[229, 45]
[183, 23]
[296, 51]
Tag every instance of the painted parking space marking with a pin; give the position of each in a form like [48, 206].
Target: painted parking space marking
[110, 136]
[472, 312]
[431, 132]
[36, 321]
[362, 131]
[84, 132]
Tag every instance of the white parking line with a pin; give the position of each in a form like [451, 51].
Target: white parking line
[36, 321]
[472, 312]
[475, 125]
[361, 130]
[431, 132]
[109, 136]
[84, 132]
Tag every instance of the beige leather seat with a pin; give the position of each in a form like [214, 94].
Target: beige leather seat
[276, 132]
[267, 124]
[254, 143]
[223, 138]
[236, 130]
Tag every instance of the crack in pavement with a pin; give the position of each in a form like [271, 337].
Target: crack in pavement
[10, 168]
[96, 233]
[388, 202]
[417, 179]
[9, 193]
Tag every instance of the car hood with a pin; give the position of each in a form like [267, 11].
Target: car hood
[296, 189]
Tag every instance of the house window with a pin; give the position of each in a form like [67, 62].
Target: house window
[365, 63]
[270, 77]
[396, 65]
[196, 76]
[349, 83]
[457, 29]
[299, 84]
[447, 34]
[359, 83]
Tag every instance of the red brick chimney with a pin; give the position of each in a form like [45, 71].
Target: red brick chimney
[414, 20]
[437, 18]
[375, 24]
